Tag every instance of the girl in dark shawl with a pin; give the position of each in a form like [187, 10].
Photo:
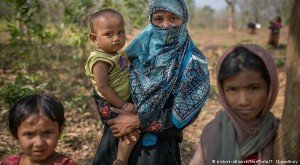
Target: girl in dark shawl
[244, 132]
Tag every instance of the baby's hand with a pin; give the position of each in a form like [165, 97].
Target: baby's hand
[130, 108]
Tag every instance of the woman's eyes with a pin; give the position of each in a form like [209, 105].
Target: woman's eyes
[174, 18]
[158, 19]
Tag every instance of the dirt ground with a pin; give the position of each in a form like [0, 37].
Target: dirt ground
[83, 130]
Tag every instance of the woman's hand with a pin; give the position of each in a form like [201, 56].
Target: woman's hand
[124, 124]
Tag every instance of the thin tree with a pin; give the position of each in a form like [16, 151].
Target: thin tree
[287, 145]
[230, 12]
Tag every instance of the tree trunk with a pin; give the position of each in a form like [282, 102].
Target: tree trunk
[287, 143]
[230, 13]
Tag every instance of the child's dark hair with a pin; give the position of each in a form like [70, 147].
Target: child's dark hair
[278, 19]
[34, 106]
[100, 13]
[241, 58]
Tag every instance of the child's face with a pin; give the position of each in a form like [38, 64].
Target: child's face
[109, 34]
[165, 19]
[38, 138]
[246, 93]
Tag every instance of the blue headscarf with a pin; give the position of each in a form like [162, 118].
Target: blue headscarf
[166, 66]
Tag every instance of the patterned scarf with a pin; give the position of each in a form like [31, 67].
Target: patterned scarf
[167, 67]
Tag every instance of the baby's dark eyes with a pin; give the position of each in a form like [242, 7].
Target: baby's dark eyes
[109, 35]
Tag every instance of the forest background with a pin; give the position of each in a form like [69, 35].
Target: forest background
[44, 45]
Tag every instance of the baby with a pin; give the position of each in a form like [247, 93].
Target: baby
[108, 71]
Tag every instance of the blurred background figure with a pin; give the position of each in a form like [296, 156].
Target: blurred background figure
[252, 26]
[275, 27]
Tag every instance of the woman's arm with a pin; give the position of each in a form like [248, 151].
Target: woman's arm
[146, 122]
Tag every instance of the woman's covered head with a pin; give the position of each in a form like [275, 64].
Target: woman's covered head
[168, 13]
[34, 107]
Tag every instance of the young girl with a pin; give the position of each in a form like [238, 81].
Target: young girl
[244, 132]
[37, 121]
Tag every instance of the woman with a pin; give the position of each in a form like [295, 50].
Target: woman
[169, 85]
[244, 132]
[275, 27]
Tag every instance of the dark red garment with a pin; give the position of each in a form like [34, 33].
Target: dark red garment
[251, 160]
[15, 160]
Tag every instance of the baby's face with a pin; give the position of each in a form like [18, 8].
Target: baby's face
[38, 137]
[165, 19]
[109, 34]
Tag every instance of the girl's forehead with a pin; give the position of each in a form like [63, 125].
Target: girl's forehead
[38, 123]
[36, 119]
[245, 77]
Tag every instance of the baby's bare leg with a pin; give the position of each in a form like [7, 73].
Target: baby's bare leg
[125, 147]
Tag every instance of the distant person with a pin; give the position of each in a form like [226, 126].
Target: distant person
[275, 27]
[37, 122]
[253, 26]
[245, 130]
[108, 72]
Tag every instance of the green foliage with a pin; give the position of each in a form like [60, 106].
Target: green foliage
[213, 94]
[78, 101]
[206, 13]
[76, 19]
[28, 34]
[280, 60]
[10, 150]
[24, 22]
[191, 7]
[136, 14]
[24, 84]
[280, 63]
[133, 11]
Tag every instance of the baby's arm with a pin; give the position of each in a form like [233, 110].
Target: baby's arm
[100, 72]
